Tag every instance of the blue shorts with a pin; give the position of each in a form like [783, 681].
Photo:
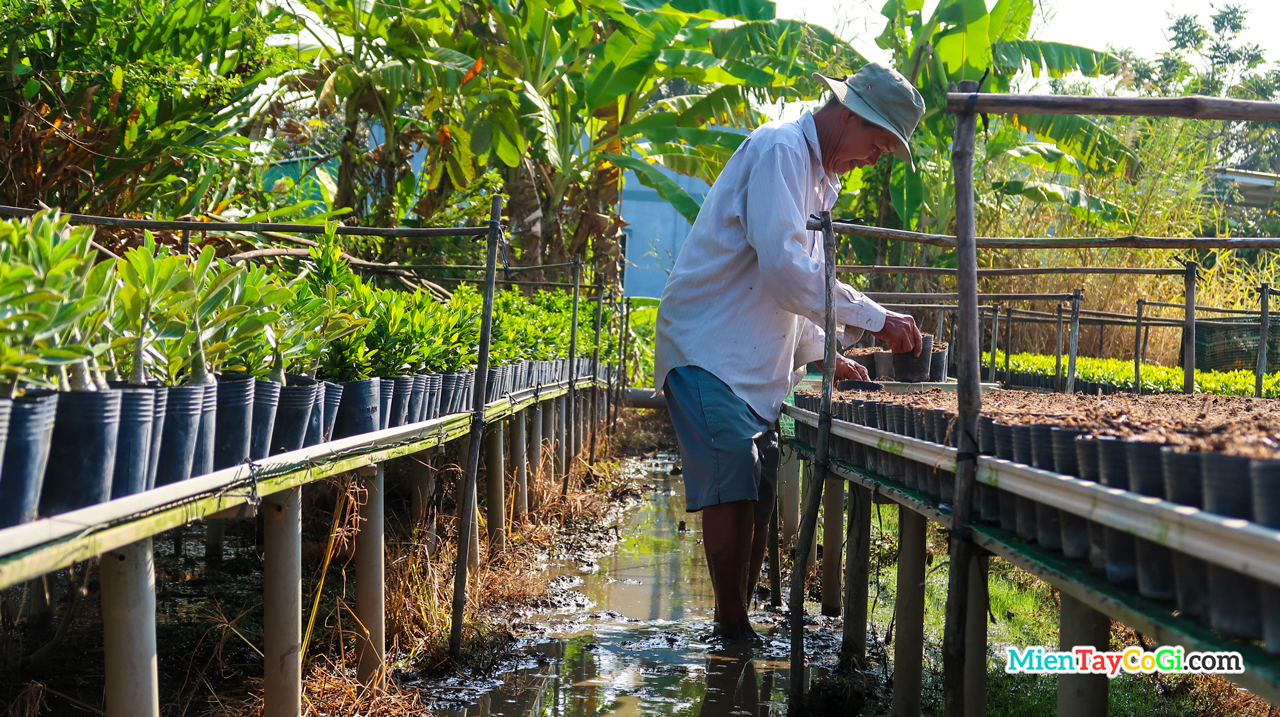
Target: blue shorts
[727, 451]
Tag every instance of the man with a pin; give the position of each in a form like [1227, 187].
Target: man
[740, 314]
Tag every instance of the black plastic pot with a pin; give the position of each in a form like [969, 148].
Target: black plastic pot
[433, 396]
[386, 395]
[1183, 485]
[1264, 477]
[181, 431]
[159, 417]
[938, 365]
[266, 401]
[451, 386]
[293, 416]
[132, 466]
[1048, 518]
[206, 437]
[986, 499]
[417, 399]
[1087, 460]
[1074, 529]
[909, 368]
[360, 409]
[1121, 550]
[1155, 562]
[1234, 607]
[234, 422]
[1024, 453]
[1008, 501]
[315, 419]
[402, 392]
[84, 434]
[26, 455]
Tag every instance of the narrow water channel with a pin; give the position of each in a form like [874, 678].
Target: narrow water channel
[639, 647]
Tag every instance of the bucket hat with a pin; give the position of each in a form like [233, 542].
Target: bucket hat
[883, 97]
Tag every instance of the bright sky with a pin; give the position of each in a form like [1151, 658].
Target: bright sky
[1141, 25]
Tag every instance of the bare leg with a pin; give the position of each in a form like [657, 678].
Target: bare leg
[727, 538]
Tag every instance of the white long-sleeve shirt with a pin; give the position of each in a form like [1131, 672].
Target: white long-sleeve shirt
[746, 297]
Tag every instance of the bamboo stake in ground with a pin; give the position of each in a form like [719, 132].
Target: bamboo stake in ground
[1137, 349]
[477, 433]
[595, 371]
[969, 402]
[808, 523]
[1264, 338]
[1189, 330]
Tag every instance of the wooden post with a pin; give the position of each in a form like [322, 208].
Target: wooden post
[1080, 625]
[969, 403]
[1189, 329]
[371, 605]
[1057, 362]
[495, 495]
[789, 494]
[853, 639]
[975, 640]
[282, 604]
[1008, 347]
[995, 334]
[128, 582]
[1075, 340]
[468, 505]
[832, 542]
[518, 457]
[1137, 348]
[808, 522]
[1264, 337]
[595, 372]
[775, 561]
[908, 638]
[572, 436]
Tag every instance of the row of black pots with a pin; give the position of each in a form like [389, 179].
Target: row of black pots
[1235, 605]
[929, 366]
[130, 439]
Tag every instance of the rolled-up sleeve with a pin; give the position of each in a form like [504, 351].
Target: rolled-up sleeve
[775, 228]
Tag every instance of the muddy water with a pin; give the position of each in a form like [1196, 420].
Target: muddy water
[637, 645]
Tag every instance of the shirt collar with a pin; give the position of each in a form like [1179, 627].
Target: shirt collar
[811, 135]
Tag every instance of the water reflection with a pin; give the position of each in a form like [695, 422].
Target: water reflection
[641, 650]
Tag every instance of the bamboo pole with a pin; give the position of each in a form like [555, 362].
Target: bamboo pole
[809, 521]
[595, 371]
[1189, 330]
[1074, 342]
[1264, 337]
[1018, 271]
[1193, 107]
[1057, 359]
[1137, 349]
[468, 507]
[969, 402]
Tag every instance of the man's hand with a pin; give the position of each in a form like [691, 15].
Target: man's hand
[847, 369]
[901, 334]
